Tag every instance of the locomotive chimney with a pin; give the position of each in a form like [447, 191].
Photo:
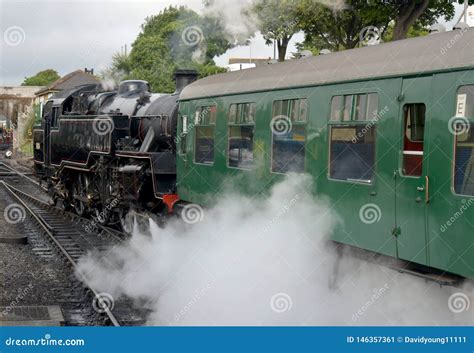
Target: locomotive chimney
[184, 78]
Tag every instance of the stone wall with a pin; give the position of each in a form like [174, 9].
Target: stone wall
[15, 104]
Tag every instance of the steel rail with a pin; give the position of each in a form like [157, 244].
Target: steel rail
[49, 231]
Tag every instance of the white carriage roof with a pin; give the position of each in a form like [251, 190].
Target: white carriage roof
[436, 52]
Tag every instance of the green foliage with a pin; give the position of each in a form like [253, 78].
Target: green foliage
[174, 39]
[29, 123]
[42, 78]
[339, 29]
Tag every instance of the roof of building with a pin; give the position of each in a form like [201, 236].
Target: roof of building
[436, 52]
[73, 79]
[258, 61]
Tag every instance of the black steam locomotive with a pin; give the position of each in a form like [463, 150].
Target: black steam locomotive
[102, 152]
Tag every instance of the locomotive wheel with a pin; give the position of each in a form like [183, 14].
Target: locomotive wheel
[80, 206]
[101, 216]
[59, 203]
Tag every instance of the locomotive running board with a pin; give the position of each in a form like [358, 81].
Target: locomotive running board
[443, 279]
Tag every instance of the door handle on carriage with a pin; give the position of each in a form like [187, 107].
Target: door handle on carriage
[420, 188]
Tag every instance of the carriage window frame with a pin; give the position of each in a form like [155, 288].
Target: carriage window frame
[469, 108]
[237, 118]
[182, 137]
[208, 121]
[336, 120]
[407, 157]
[337, 113]
[301, 121]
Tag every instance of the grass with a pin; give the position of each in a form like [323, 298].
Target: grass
[27, 148]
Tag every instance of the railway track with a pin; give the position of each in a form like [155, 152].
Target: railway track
[72, 236]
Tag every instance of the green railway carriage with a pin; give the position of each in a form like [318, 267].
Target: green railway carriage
[386, 132]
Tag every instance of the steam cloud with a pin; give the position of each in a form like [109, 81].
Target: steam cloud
[237, 17]
[263, 261]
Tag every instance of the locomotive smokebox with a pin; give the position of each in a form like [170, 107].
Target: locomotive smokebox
[183, 78]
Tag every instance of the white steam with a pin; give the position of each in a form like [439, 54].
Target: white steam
[263, 261]
[238, 18]
[111, 79]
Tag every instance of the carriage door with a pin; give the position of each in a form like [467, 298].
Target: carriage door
[412, 180]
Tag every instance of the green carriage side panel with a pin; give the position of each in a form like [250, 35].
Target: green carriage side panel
[407, 214]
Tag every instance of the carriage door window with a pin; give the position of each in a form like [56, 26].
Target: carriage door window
[413, 140]
[464, 143]
[205, 122]
[182, 137]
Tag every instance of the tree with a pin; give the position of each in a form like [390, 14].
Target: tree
[327, 28]
[121, 62]
[423, 12]
[42, 78]
[346, 28]
[277, 22]
[175, 38]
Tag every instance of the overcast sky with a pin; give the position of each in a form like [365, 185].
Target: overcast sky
[71, 35]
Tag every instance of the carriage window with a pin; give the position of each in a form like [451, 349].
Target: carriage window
[360, 107]
[357, 107]
[413, 144]
[288, 127]
[464, 147]
[352, 153]
[464, 162]
[336, 110]
[204, 120]
[241, 132]
[347, 113]
[182, 137]
[372, 106]
[465, 102]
